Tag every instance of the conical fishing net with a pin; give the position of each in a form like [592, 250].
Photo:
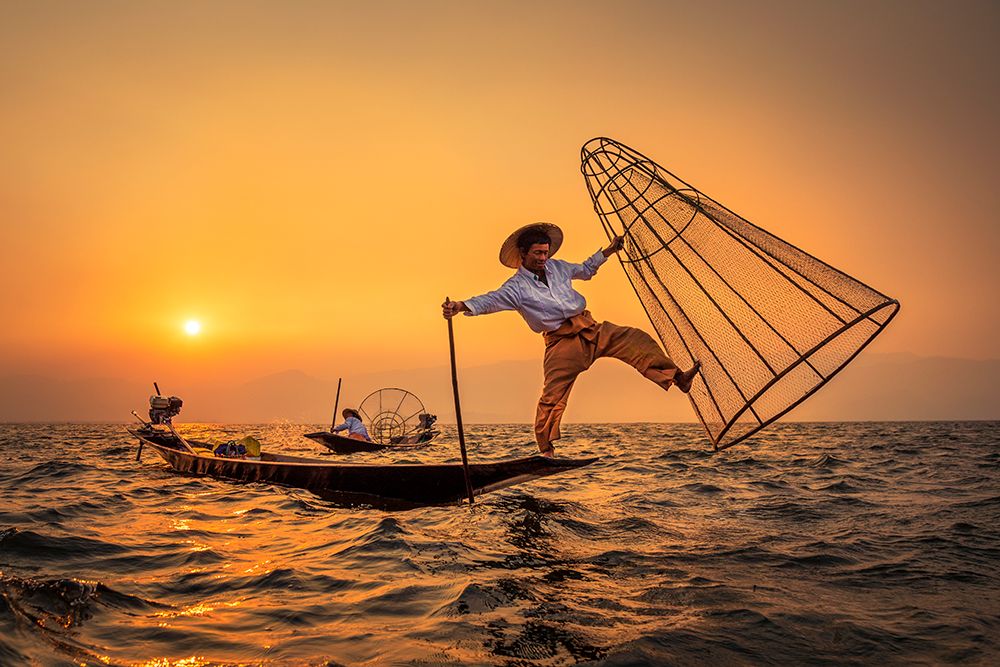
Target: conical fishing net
[770, 323]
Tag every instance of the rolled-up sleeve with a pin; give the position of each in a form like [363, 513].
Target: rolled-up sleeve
[504, 298]
[589, 267]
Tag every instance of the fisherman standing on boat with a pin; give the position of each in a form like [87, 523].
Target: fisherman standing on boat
[353, 425]
[542, 292]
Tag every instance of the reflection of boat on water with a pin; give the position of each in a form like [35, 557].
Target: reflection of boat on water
[396, 419]
[390, 485]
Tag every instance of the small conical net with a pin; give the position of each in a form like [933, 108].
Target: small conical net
[770, 323]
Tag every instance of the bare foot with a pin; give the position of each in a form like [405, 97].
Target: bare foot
[685, 379]
[549, 453]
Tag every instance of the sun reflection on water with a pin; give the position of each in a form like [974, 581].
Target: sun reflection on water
[193, 661]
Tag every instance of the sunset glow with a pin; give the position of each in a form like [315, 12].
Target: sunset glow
[290, 373]
[321, 177]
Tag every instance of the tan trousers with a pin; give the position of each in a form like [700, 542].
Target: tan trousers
[574, 347]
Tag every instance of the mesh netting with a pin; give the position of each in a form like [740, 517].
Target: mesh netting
[769, 322]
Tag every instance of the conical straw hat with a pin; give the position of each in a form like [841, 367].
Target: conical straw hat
[510, 254]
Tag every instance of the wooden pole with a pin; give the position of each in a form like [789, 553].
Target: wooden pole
[336, 404]
[181, 440]
[138, 454]
[458, 408]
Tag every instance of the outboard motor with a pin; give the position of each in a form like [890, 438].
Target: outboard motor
[164, 408]
[426, 421]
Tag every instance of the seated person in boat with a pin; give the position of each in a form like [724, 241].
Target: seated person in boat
[353, 425]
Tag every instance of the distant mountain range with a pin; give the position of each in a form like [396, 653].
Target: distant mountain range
[876, 387]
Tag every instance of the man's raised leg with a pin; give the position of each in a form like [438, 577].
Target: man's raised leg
[638, 349]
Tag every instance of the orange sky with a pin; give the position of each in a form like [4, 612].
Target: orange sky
[310, 179]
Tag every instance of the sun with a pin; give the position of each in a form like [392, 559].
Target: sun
[192, 327]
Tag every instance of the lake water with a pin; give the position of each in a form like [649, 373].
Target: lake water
[862, 543]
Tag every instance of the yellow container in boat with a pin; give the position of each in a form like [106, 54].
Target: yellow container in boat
[252, 445]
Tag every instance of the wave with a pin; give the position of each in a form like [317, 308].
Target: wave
[821, 543]
[42, 615]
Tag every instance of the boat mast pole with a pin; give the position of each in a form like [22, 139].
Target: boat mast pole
[336, 404]
[458, 408]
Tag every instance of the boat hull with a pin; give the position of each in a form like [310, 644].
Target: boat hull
[338, 444]
[384, 485]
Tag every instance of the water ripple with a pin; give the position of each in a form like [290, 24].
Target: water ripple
[825, 544]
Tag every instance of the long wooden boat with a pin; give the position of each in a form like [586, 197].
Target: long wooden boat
[338, 444]
[390, 486]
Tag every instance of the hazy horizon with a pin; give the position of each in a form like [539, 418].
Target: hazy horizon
[876, 387]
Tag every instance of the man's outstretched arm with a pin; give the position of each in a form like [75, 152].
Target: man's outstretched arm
[588, 268]
[505, 298]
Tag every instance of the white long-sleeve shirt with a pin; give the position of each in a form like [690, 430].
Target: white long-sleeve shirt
[353, 425]
[543, 307]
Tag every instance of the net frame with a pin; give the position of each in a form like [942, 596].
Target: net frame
[392, 414]
[772, 370]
